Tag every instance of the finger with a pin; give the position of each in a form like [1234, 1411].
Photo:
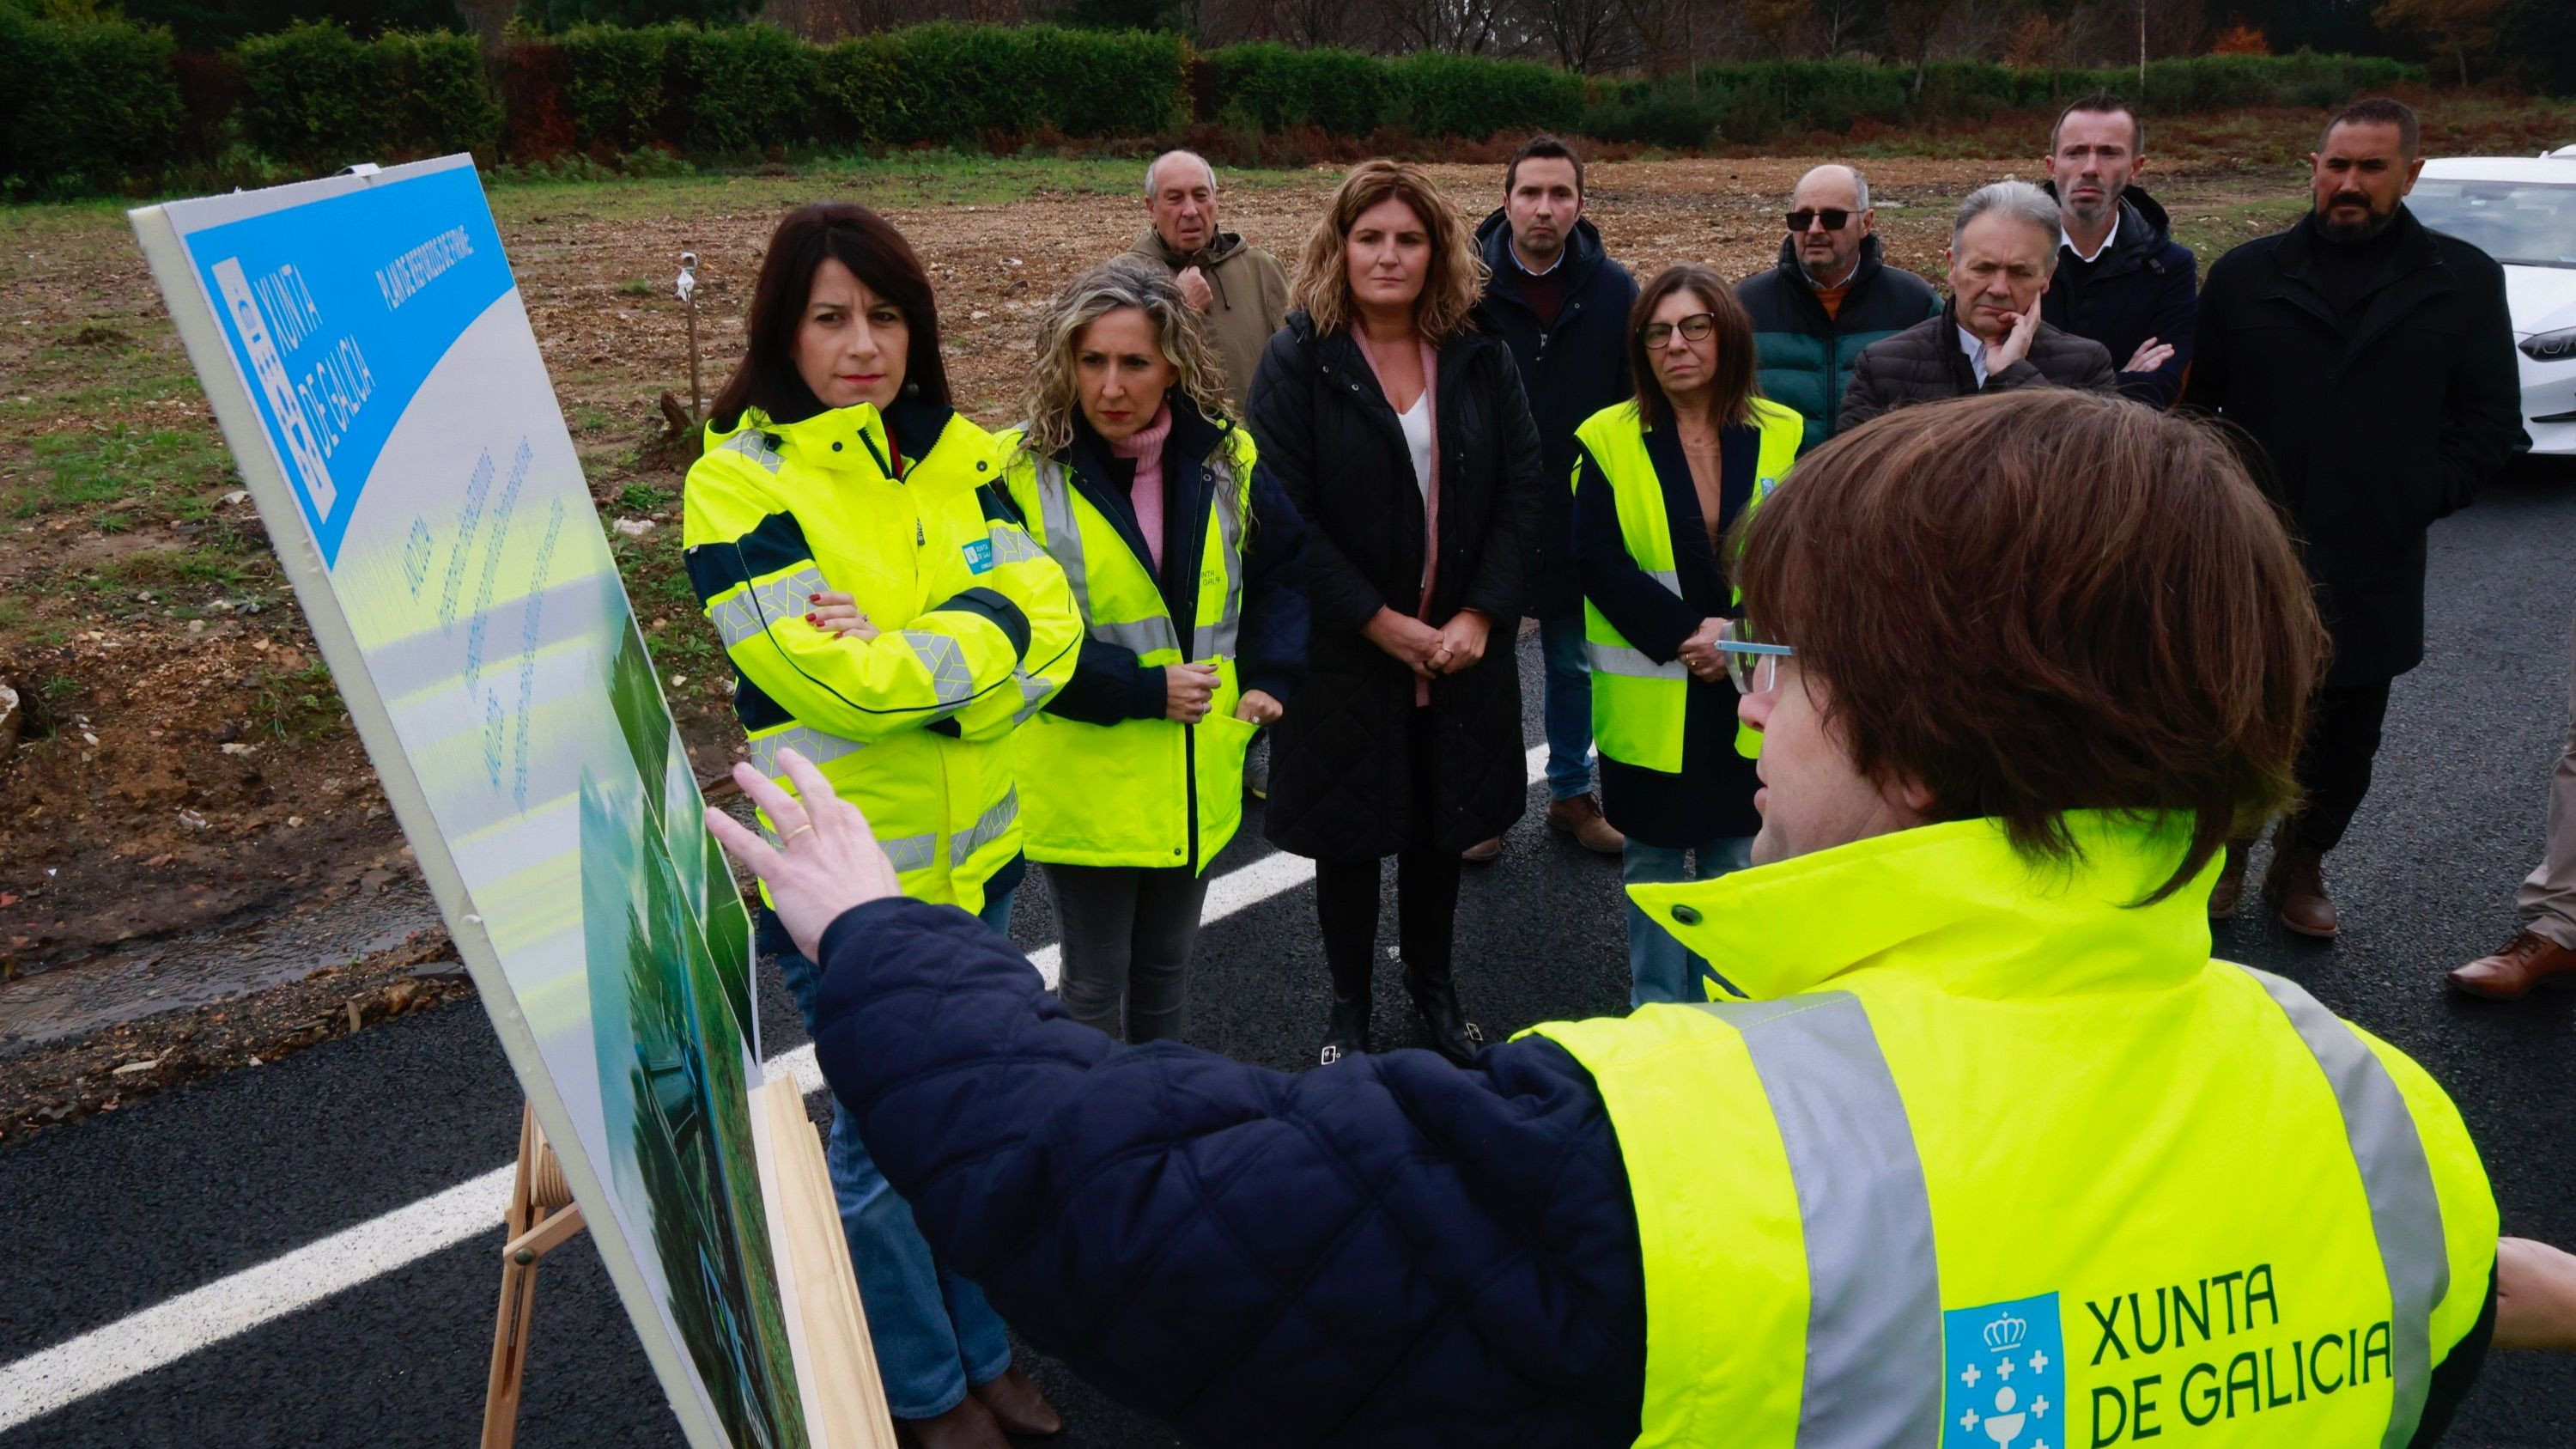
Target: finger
[781, 808]
[745, 846]
[824, 808]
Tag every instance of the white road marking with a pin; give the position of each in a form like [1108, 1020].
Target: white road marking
[174, 1328]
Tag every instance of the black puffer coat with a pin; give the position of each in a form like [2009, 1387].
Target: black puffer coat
[1923, 364]
[1339, 772]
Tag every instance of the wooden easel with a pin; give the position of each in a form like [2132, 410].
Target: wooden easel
[541, 1216]
[844, 1402]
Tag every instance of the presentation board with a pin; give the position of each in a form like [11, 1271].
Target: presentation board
[365, 349]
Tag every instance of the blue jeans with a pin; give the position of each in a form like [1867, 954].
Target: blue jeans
[935, 1335]
[1567, 708]
[1659, 968]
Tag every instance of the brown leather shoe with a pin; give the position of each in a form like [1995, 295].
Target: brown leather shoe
[2530, 960]
[2231, 881]
[1482, 851]
[2296, 887]
[1581, 818]
[968, 1426]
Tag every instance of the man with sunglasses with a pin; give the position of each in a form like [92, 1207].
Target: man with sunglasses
[1831, 295]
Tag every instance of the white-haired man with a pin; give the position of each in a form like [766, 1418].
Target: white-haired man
[2003, 246]
[1240, 289]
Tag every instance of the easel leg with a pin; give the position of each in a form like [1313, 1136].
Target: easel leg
[540, 1216]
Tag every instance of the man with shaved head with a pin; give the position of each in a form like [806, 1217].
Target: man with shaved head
[1240, 289]
[1831, 295]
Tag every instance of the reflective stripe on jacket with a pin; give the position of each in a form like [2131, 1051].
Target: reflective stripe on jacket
[1638, 705]
[1996, 1156]
[1140, 792]
[976, 628]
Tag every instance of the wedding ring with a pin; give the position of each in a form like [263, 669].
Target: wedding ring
[790, 837]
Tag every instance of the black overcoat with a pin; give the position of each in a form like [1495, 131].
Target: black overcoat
[2367, 426]
[1340, 775]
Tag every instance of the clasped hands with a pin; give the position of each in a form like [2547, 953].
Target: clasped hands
[1188, 688]
[1429, 652]
[1700, 655]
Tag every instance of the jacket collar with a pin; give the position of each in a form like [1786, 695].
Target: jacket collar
[2144, 229]
[860, 430]
[1957, 904]
[1583, 255]
[2413, 271]
[1221, 249]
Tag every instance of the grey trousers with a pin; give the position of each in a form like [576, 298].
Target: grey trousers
[2547, 900]
[1127, 934]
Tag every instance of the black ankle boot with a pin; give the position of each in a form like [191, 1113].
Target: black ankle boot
[1435, 995]
[1347, 1034]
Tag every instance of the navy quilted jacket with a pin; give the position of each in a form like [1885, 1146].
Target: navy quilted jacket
[1387, 1251]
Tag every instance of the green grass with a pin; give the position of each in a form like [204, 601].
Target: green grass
[297, 705]
[159, 468]
[639, 498]
[658, 585]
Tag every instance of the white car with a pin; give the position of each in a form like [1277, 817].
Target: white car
[2522, 212]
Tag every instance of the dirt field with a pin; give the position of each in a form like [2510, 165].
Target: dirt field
[186, 763]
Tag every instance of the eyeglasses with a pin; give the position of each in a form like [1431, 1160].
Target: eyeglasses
[1833, 217]
[1752, 664]
[1696, 327]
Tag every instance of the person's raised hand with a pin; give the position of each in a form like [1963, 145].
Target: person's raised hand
[1187, 689]
[1462, 641]
[2016, 343]
[1411, 642]
[1259, 706]
[838, 614]
[2535, 1296]
[2150, 355]
[826, 859]
[1194, 288]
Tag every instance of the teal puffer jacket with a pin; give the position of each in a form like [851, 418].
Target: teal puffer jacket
[1806, 356]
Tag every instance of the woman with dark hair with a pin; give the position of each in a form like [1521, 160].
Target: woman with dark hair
[1989, 1086]
[836, 476]
[1658, 481]
[1403, 440]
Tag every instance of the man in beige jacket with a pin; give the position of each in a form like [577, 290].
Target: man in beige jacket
[1240, 289]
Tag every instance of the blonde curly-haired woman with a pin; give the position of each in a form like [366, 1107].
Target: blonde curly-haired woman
[1186, 562]
[1403, 439]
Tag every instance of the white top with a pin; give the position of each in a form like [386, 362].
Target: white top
[1417, 439]
[2108, 237]
[1975, 346]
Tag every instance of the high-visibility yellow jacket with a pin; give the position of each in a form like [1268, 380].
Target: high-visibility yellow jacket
[976, 627]
[1996, 1158]
[1638, 705]
[1139, 792]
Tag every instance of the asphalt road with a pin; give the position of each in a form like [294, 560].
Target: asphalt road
[120, 1212]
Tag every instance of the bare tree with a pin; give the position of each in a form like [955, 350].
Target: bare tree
[1456, 27]
[1585, 36]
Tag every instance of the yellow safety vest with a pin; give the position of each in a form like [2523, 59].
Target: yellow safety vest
[1637, 704]
[1143, 792]
[976, 629]
[1995, 1159]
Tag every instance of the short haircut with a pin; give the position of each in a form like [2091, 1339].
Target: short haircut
[2103, 103]
[2113, 619]
[1548, 146]
[1734, 382]
[2016, 200]
[876, 254]
[2379, 111]
[1155, 166]
[1860, 183]
[1450, 289]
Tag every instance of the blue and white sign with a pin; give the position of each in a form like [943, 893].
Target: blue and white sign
[364, 345]
[2005, 1387]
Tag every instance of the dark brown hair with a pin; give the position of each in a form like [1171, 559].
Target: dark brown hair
[2379, 111]
[1543, 146]
[2103, 103]
[878, 255]
[2043, 601]
[1735, 385]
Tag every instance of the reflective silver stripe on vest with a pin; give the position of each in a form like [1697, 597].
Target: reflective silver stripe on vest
[1011, 543]
[748, 614]
[988, 827]
[2405, 1209]
[1621, 660]
[1668, 578]
[1222, 639]
[946, 662]
[1033, 695]
[911, 852]
[1141, 635]
[813, 744]
[753, 444]
[1873, 1280]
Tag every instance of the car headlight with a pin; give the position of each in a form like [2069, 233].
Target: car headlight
[2558, 346]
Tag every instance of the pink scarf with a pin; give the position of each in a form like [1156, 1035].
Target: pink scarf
[1431, 494]
[1145, 445]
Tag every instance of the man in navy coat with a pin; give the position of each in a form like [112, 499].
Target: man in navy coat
[2121, 279]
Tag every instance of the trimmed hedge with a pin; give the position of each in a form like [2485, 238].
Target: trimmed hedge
[103, 105]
